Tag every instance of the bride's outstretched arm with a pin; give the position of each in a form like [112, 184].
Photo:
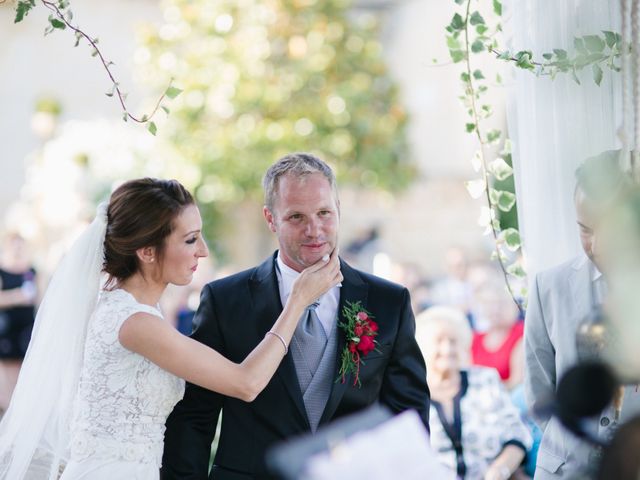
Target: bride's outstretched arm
[158, 341]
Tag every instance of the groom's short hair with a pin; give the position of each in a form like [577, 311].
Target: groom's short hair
[297, 164]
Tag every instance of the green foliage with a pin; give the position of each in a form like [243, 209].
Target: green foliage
[23, 8]
[172, 92]
[262, 79]
[470, 34]
[60, 19]
[595, 51]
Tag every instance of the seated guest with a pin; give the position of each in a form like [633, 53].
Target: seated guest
[476, 431]
[500, 345]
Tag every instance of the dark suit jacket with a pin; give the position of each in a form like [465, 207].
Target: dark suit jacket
[233, 317]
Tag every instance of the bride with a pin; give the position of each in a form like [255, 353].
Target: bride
[104, 369]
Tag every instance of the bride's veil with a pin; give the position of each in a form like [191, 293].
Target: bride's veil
[34, 432]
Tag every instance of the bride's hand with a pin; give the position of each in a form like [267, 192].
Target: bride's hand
[315, 280]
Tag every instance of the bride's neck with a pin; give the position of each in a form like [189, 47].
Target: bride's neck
[144, 290]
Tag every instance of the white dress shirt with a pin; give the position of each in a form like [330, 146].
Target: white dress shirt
[327, 310]
[599, 285]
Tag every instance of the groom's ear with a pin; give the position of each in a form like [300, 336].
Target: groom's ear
[146, 254]
[269, 217]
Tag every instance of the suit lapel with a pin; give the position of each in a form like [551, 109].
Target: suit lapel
[353, 290]
[266, 299]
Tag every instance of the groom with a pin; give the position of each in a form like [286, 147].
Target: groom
[302, 209]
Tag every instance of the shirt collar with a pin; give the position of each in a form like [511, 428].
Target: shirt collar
[595, 273]
[288, 275]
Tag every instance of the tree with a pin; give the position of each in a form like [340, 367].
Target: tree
[262, 78]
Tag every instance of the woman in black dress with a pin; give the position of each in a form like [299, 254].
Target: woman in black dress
[17, 311]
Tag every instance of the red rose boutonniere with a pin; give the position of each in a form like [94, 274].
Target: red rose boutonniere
[360, 330]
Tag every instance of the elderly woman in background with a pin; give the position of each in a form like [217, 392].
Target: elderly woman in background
[475, 429]
[500, 346]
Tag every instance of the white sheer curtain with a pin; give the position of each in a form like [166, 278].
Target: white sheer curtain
[556, 124]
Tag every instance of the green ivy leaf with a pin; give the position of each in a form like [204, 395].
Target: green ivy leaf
[523, 59]
[511, 239]
[477, 74]
[464, 76]
[22, 9]
[55, 23]
[476, 19]
[506, 55]
[457, 23]
[610, 38]
[453, 43]
[172, 92]
[494, 196]
[574, 75]
[618, 39]
[152, 128]
[516, 270]
[457, 55]
[460, 2]
[597, 73]
[477, 46]
[560, 53]
[497, 7]
[493, 136]
[578, 44]
[594, 43]
[506, 201]
[547, 56]
[482, 29]
[166, 110]
[470, 127]
[500, 169]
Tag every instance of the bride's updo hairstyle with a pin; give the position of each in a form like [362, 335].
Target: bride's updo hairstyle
[140, 214]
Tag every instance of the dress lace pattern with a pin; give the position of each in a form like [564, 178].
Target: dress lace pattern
[123, 398]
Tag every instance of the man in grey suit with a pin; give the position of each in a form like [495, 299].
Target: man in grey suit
[559, 300]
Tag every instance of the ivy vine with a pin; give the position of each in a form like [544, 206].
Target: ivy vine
[61, 18]
[469, 34]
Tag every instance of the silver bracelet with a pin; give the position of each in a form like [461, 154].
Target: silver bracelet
[284, 344]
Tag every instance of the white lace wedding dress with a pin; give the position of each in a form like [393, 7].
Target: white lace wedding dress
[123, 400]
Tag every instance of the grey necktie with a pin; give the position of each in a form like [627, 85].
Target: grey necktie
[311, 339]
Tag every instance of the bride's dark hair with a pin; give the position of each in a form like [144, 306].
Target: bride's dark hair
[141, 214]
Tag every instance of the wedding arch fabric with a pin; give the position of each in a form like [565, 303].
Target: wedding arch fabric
[34, 433]
[556, 124]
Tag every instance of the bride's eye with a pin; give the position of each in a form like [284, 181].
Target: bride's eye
[191, 241]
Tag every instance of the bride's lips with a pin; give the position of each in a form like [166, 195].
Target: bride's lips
[194, 268]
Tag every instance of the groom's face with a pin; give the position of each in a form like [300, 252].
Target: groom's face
[305, 217]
